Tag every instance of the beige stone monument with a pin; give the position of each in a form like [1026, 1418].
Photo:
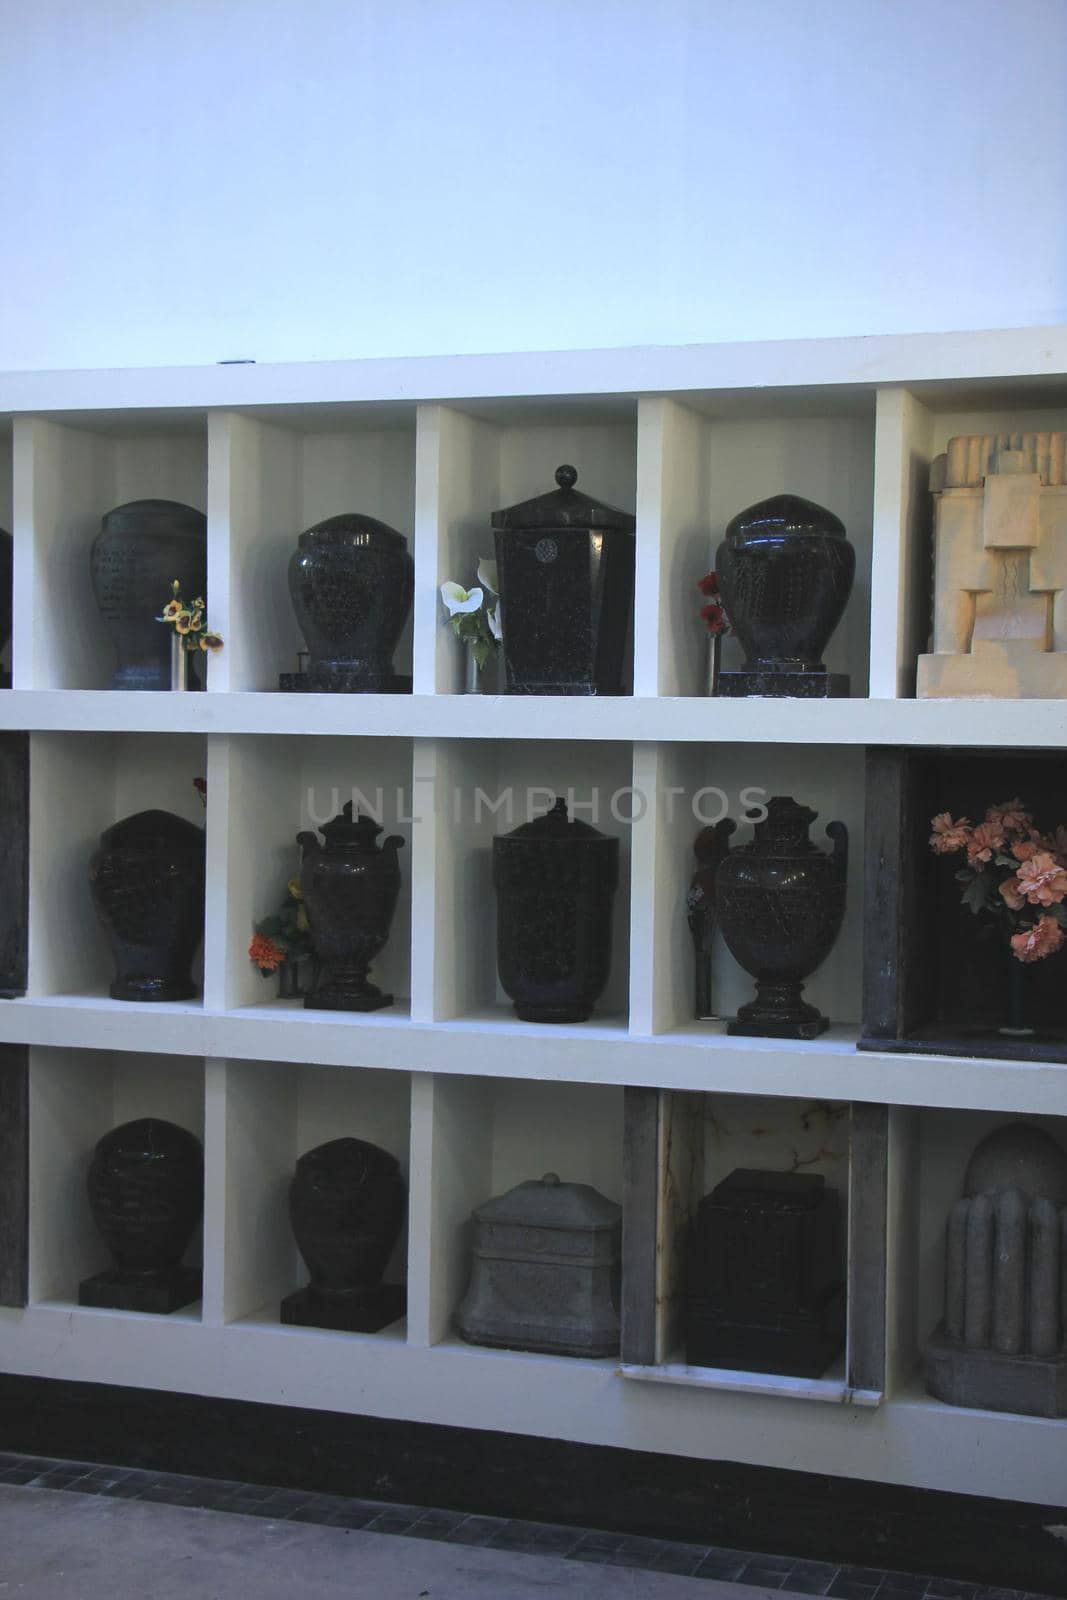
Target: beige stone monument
[1000, 568]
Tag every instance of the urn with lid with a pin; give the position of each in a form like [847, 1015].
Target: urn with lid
[351, 581]
[565, 565]
[141, 549]
[555, 879]
[350, 889]
[545, 1271]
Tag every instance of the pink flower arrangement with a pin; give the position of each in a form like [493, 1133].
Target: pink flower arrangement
[1013, 871]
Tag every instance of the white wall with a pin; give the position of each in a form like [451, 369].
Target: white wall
[196, 180]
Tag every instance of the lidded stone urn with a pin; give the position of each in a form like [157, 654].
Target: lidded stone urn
[1002, 1344]
[346, 1207]
[565, 564]
[147, 886]
[555, 881]
[545, 1271]
[350, 887]
[351, 581]
[781, 901]
[785, 570]
[142, 547]
[765, 1279]
[146, 1194]
[6, 598]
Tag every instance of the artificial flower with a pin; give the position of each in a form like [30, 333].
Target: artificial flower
[196, 622]
[714, 618]
[172, 610]
[461, 602]
[1011, 817]
[1025, 849]
[492, 617]
[1034, 944]
[1042, 880]
[211, 641]
[183, 622]
[486, 575]
[984, 842]
[265, 954]
[708, 585]
[949, 835]
[1009, 892]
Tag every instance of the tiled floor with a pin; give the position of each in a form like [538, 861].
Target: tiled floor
[768, 1572]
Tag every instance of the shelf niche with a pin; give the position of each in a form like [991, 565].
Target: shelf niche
[77, 1096]
[678, 1147]
[933, 984]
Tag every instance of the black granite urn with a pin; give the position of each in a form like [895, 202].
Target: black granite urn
[140, 550]
[565, 564]
[766, 1275]
[147, 885]
[351, 581]
[555, 882]
[545, 1271]
[6, 578]
[785, 571]
[780, 901]
[346, 1207]
[146, 1193]
[350, 888]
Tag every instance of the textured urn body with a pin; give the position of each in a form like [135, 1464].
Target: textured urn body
[146, 1193]
[351, 581]
[555, 882]
[147, 885]
[6, 577]
[346, 1207]
[785, 570]
[780, 903]
[140, 550]
[350, 889]
[565, 565]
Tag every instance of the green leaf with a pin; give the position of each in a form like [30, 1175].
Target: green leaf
[480, 652]
[977, 894]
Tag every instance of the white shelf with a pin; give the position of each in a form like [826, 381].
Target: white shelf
[832, 1390]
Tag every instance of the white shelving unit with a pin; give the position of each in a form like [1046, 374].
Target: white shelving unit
[468, 1099]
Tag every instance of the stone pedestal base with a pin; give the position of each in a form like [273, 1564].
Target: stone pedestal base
[784, 685]
[367, 1311]
[320, 680]
[159, 1292]
[987, 1380]
[347, 997]
[1039, 675]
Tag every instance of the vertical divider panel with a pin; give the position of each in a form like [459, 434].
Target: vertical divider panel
[254, 483]
[215, 1208]
[640, 1217]
[457, 485]
[451, 1173]
[902, 1246]
[14, 1173]
[428, 836]
[680, 1165]
[661, 959]
[672, 543]
[220, 822]
[900, 553]
[866, 1299]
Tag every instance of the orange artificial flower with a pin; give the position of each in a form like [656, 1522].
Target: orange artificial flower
[1042, 880]
[984, 842]
[1009, 890]
[265, 954]
[948, 835]
[1025, 849]
[1035, 943]
[1010, 816]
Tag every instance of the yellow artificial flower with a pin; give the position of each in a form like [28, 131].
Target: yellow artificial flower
[210, 641]
[183, 621]
[196, 621]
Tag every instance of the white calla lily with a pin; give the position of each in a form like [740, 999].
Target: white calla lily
[487, 575]
[459, 601]
[493, 619]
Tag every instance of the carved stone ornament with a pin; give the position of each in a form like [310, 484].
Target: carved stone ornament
[1000, 568]
[1002, 1345]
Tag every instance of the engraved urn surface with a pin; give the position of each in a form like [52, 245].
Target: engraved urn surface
[351, 581]
[147, 886]
[785, 570]
[142, 547]
[545, 1271]
[1002, 1343]
[555, 881]
[780, 903]
[350, 888]
[346, 1207]
[766, 1275]
[146, 1193]
[566, 571]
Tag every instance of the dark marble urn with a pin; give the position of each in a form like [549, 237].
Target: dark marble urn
[766, 1275]
[147, 885]
[140, 550]
[351, 581]
[565, 564]
[555, 882]
[6, 579]
[350, 888]
[780, 902]
[146, 1194]
[1002, 1343]
[785, 571]
[545, 1271]
[346, 1207]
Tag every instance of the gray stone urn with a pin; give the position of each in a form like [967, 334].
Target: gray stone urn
[1001, 1345]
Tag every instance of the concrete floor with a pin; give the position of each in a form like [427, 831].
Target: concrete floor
[55, 1545]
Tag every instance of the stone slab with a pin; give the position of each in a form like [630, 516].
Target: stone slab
[744, 684]
[986, 1380]
[384, 1305]
[993, 675]
[158, 1292]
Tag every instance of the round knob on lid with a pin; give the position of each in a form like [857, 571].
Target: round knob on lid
[566, 477]
[551, 1180]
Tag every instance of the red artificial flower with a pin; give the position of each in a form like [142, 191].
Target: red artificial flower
[709, 585]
